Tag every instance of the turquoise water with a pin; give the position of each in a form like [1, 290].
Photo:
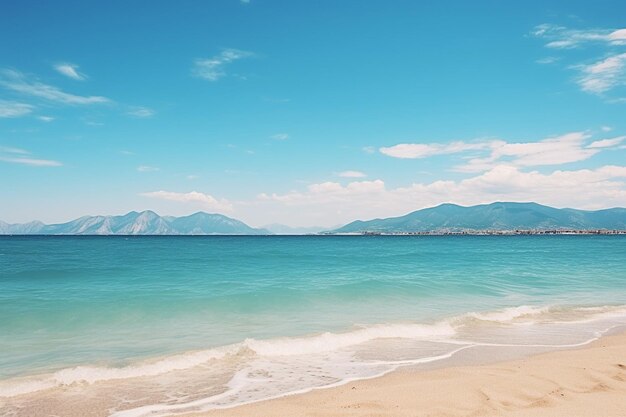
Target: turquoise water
[97, 309]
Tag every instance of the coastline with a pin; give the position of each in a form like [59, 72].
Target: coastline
[587, 381]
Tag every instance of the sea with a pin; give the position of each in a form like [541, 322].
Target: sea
[166, 325]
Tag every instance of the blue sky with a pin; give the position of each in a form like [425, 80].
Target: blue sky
[308, 113]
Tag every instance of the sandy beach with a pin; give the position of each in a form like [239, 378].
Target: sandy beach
[590, 381]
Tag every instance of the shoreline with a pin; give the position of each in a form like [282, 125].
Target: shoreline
[587, 381]
[97, 391]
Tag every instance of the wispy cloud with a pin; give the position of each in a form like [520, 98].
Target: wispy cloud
[141, 112]
[276, 100]
[146, 168]
[606, 143]
[560, 37]
[46, 119]
[7, 149]
[352, 174]
[10, 109]
[420, 150]
[280, 136]
[212, 69]
[205, 200]
[21, 156]
[598, 77]
[547, 60]
[369, 149]
[20, 83]
[604, 75]
[70, 70]
[32, 162]
[557, 150]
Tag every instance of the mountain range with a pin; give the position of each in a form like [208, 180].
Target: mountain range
[499, 216]
[495, 216]
[138, 223]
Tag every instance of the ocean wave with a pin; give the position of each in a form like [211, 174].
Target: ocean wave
[92, 374]
[327, 342]
[444, 331]
[509, 314]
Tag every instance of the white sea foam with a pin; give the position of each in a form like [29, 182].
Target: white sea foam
[245, 390]
[325, 359]
[328, 342]
[510, 314]
[92, 374]
[240, 384]
[325, 342]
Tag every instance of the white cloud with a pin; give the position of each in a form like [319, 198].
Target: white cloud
[369, 149]
[212, 69]
[618, 36]
[70, 70]
[330, 203]
[146, 168]
[420, 150]
[570, 147]
[46, 119]
[606, 143]
[560, 37]
[13, 109]
[20, 156]
[551, 151]
[6, 149]
[352, 174]
[606, 128]
[141, 112]
[18, 82]
[280, 136]
[328, 192]
[547, 60]
[604, 75]
[205, 200]
[32, 162]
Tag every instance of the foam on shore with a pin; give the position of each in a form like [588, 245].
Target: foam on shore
[255, 370]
